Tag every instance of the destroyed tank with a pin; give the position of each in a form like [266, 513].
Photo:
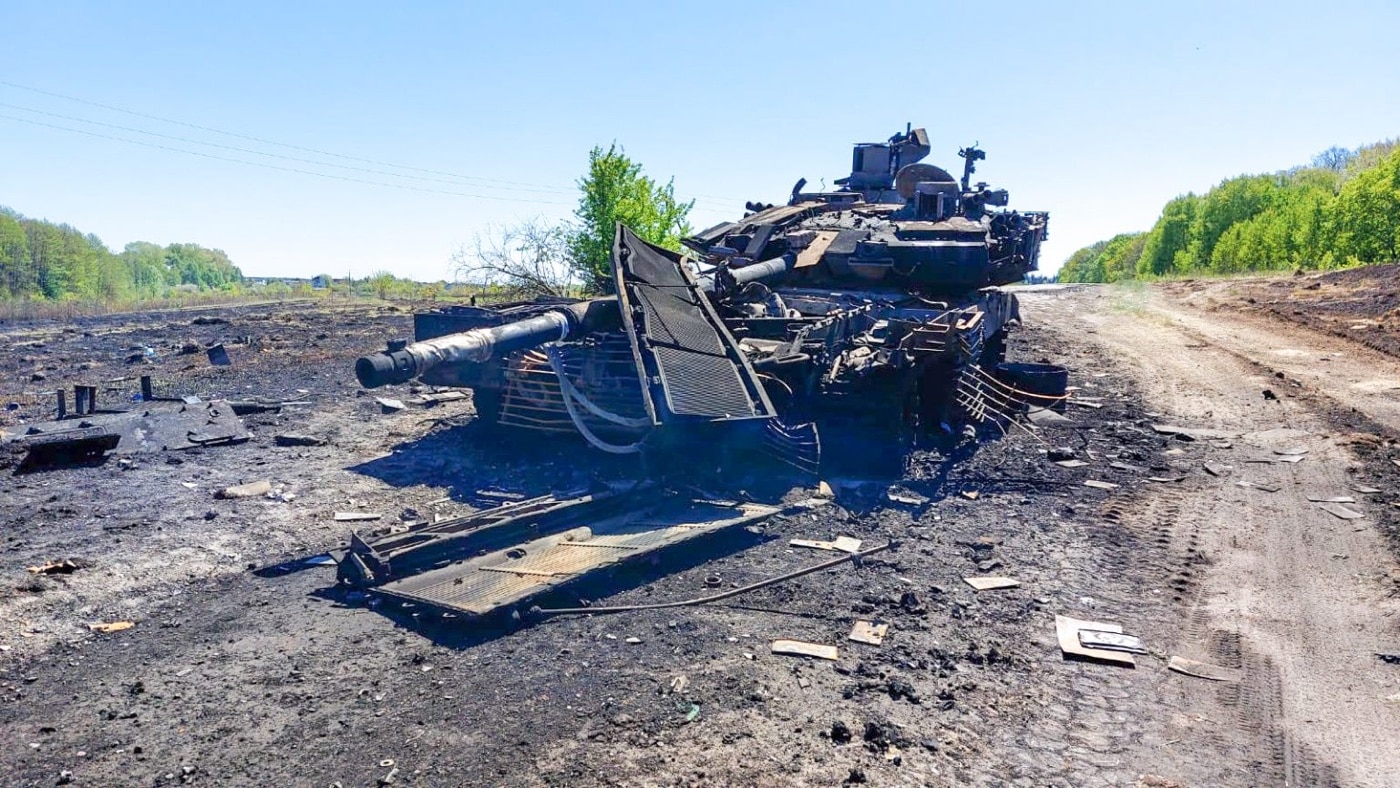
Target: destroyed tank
[862, 317]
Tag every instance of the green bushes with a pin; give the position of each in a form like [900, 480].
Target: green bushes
[1343, 211]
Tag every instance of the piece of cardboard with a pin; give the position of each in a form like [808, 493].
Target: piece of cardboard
[991, 583]
[1067, 633]
[868, 632]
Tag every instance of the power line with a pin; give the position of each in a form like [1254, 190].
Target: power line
[269, 155]
[529, 186]
[277, 167]
[265, 141]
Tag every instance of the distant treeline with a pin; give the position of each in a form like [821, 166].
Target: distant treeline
[1344, 209]
[40, 260]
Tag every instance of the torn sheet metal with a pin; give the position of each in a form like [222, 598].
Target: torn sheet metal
[518, 570]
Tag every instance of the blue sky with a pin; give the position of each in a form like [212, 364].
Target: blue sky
[1096, 112]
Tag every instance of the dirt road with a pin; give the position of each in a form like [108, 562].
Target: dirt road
[247, 666]
[1301, 599]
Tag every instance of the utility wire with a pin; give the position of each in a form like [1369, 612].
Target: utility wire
[211, 129]
[270, 155]
[281, 168]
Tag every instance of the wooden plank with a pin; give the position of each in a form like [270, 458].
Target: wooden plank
[799, 648]
[812, 255]
[355, 517]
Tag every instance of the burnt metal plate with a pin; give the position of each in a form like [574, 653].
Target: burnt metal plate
[480, 585]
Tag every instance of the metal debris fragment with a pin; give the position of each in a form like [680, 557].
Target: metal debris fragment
[1067, 633]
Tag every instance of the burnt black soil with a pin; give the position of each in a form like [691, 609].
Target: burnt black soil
[244, 669]
[1359, 304]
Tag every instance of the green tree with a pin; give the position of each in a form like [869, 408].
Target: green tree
[1166, 244]
[615, 190]
[383, 284]
[1367, 217]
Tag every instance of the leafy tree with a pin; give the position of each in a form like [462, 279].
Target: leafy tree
[383, 284]
[615, 190]
[1367, 218]
[1166, 244]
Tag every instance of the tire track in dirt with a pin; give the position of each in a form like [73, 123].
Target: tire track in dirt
[1266, 581]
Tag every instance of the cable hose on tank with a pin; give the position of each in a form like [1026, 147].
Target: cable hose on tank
[557, 364]
[570, 394]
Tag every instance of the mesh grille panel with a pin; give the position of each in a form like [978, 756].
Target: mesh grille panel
[699, 385]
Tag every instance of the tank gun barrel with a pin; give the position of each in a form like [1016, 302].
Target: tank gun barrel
[483, 344]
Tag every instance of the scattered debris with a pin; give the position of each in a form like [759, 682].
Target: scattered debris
[295, 439]
[218, 356]
[800, 648]
[1366, 490]
[65, 567]
[1331, 499]
[1190, 433]
[971, 495]
[843, 544]
[824, 490]
[991, 583]
[1042, 417]
[387, 405]
[1216, 469]
[1067, 633]
[249, 490]
[111, 626]
[1337, 510]
[1098, 485]
[1257, 486]
[1389, 659]
[1111, 641]
[1203, 670]
[906, 498]
[1291, 451]
[356, 517]
[868, 632]
[1165, 479]
[1071, 463]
